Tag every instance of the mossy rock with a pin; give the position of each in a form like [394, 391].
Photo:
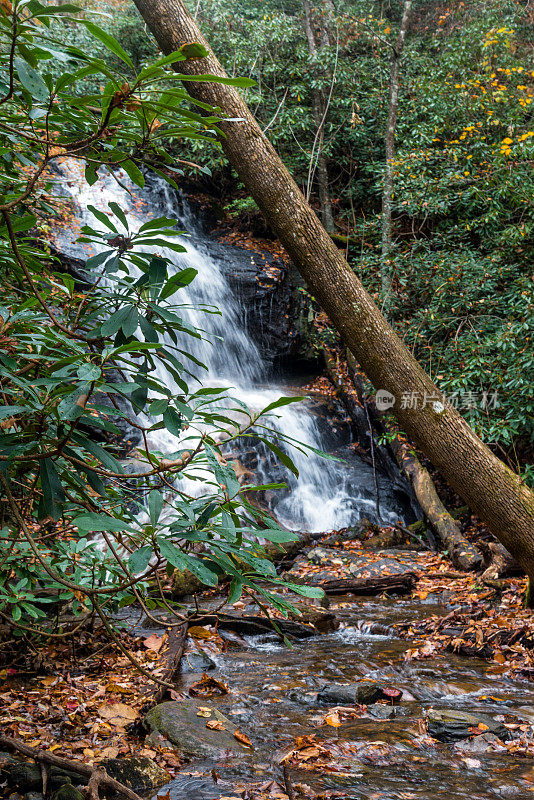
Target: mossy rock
[24, 775]
[184, 724]
[67, 792]
[138, 772]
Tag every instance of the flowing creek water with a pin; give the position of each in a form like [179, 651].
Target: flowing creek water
[273, 700]
[271, 685]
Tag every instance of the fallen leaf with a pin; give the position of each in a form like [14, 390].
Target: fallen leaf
[332, 719]
[154, 642]
[197, 632]
[203, 711]
[215, 725]
[208, 686]
[118, 713]
[243, 738]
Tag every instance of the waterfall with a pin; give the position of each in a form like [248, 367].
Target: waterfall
[328, 495]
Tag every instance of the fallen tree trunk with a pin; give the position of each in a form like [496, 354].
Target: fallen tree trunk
[255, 625]
[175, 648]
[490, 488]
[498, 563]
[395, 584]
[462, 554]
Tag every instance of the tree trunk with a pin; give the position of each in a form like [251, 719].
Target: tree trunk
[387, 193]
[492, 490]
[462, 554]
[319, 114]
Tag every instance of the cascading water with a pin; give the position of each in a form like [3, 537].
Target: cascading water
[328, 495]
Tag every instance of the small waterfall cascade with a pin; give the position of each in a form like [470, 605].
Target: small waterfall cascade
[328, 495]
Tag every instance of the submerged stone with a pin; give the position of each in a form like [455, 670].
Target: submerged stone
[363, 693]
[449, 725]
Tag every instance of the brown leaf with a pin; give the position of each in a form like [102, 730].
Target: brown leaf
[207, 686]
[198, 632]
[215, 725]
[332, 719]
[118, 713]
[243, 738]
[154, 642]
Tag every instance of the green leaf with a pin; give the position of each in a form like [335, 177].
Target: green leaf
[140, 559]
[282, 401]
[53, 495]
[284, 458]
[119, 213]
[100, 522]
[208, 78]
[178, 281]
[193, 51]
[108, 41]
[173, 421]
[236, 589]
[105, 458]
[103, 218]
[31, 80]
[134, 173]
[306, 591]
[155, 506]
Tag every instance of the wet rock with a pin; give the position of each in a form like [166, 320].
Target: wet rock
[181, 724]
[483, 743]
[67, 792]
[138, 772]
[320, 555]
[381, 711]
[23, 775]
[302, 697]
[449, 725]
[196, 662]
[364, 568]
[364, 693]
[323, 621]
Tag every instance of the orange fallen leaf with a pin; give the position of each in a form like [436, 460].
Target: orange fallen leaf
[332, 719]
[243, 738]
[197, 632]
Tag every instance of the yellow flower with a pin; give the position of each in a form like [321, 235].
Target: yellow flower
[507, 141]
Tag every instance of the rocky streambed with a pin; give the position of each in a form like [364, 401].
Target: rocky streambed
[348, 712]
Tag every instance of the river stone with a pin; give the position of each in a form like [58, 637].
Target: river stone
[67, 792]
[449, 725]
[137, 772]
[196, 662]
[363, 692]
[180, 724]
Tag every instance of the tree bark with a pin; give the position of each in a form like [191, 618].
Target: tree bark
[487, 485]
[462, 554]
[387, 192]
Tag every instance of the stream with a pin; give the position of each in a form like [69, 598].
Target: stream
[272, 687]
[274, 700]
